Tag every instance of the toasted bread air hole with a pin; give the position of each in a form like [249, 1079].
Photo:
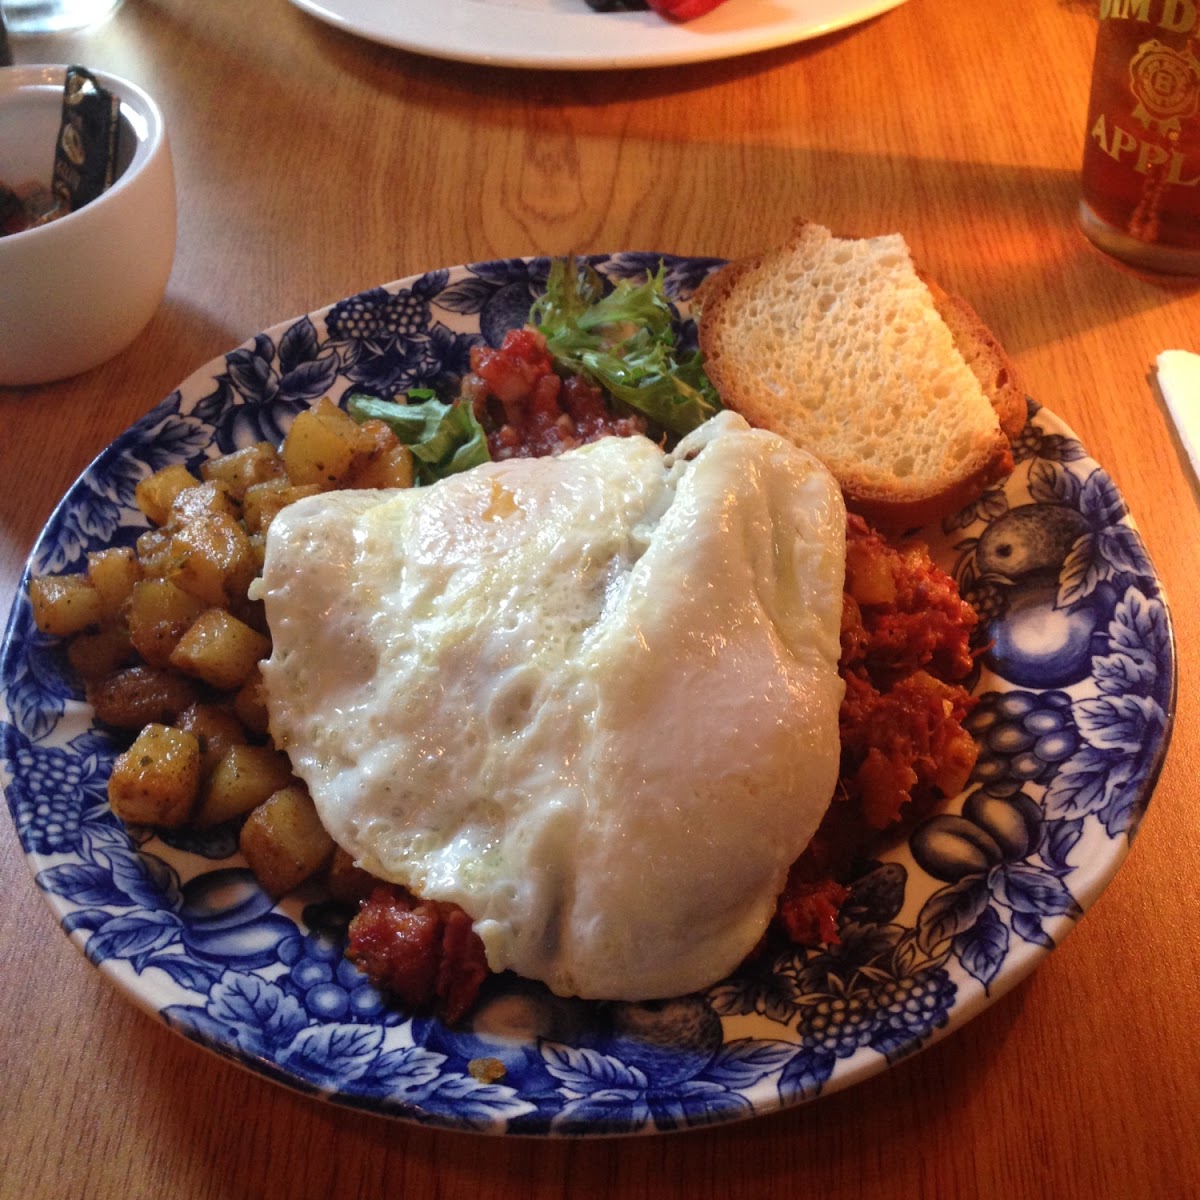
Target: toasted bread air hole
[960, 448]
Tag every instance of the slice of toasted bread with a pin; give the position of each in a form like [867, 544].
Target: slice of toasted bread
[839, 345]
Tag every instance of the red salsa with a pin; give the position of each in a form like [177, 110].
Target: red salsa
[529, 411]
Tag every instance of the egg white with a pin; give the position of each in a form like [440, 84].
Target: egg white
[592, 699]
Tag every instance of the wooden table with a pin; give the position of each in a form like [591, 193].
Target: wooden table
[310, 165]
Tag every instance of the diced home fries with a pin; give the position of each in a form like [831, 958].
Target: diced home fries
[284, 841]
[155, 781]
[168, 643]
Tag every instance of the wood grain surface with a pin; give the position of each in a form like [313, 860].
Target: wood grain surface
[310, 165]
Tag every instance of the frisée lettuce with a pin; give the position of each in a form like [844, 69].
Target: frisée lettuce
[623, 341]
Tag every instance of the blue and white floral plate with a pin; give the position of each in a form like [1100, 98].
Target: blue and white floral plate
[1076, 700]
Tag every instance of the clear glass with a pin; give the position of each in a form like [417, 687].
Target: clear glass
[1141, 163]
[25, 18]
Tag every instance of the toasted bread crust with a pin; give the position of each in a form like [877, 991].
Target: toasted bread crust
[996, 372]
[891, 515]
[917, 425]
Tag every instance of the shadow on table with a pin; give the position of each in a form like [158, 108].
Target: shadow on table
[183, 337]
[100, 404]
[1005, 235]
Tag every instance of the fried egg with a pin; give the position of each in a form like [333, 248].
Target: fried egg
[593, 699]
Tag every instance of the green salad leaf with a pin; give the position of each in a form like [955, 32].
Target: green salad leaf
[625, 342]
[445, 438]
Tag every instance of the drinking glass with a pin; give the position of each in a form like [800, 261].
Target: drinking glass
[1141, 161]
[32, 17]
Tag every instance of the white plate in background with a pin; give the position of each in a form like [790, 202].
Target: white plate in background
[567, 34]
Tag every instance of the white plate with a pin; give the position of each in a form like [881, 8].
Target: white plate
[1076, 697]
[567, 34]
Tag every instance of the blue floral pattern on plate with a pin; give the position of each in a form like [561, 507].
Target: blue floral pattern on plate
[1076, 698]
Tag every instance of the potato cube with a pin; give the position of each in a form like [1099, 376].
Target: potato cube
[957, 763]
[65, 604]
[250, 704]
[220, 649]
[242, 468]
[253, 613]
[159, 615]
[321, 446]
[375, 437]
[211, 559]
[133, 696]
[242, 779]
[154, 553]
[155, 494]
[284, 841]
[339, 420]
[156, 781]
[203, 500]
[258, 551]
[391, 469]
[94, 655]
[869, 577]
[264, 501]
[348, 883]
[113, 574]
[373, 440]
[216, 728]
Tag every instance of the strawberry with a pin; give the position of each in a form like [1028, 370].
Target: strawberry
[683, 10]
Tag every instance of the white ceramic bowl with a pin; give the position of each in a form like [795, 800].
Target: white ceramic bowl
[78, 290]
